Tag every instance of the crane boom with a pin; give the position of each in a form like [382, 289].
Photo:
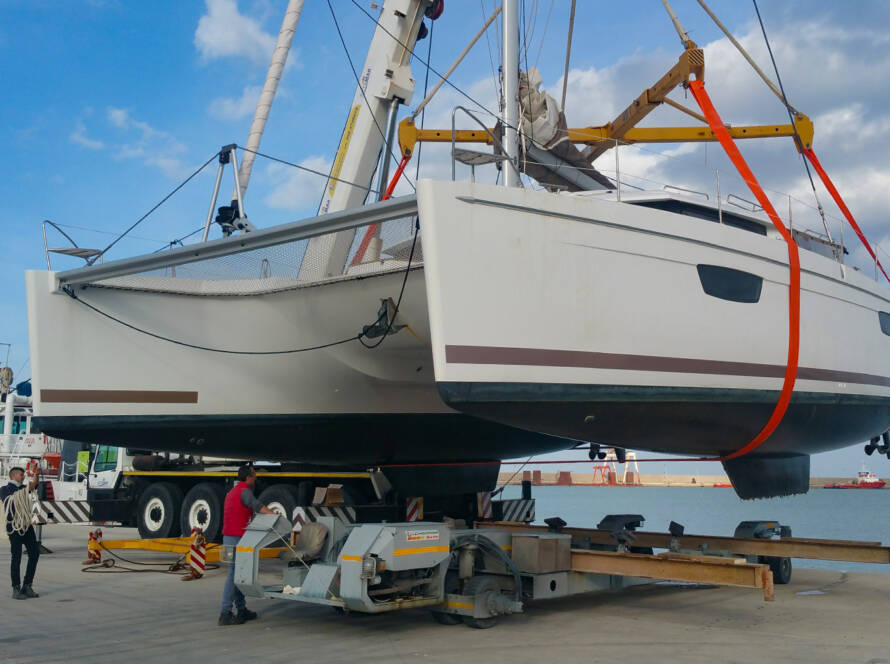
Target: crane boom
[385, 77]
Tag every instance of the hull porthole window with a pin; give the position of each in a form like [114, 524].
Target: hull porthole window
[884, 319]
[734, 285]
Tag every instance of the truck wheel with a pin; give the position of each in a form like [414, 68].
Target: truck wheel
[280, 499]
[781, 568]
[302, 492]
[203, 508]
[157, 512]
[479, 585]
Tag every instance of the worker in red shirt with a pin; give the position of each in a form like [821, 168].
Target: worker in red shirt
[238, 509]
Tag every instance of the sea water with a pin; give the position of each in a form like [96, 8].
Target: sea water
[853, 514]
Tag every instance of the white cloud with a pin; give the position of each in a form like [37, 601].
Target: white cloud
[294, 190]
[224, 32]
[79, 136]
[154, 147]
[226, 108]
[827, 74]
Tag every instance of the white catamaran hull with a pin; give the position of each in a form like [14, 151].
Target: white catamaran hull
[562, 317]
[588, 318]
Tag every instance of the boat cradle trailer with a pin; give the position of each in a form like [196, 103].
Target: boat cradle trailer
[475, 575]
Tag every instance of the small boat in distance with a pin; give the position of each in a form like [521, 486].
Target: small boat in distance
[864, 480]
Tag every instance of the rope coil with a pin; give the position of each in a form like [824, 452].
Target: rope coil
[16, 511]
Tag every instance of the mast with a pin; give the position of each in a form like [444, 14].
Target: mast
[511, 91]
[264, 103]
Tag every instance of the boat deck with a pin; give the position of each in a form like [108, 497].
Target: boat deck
[821, 616]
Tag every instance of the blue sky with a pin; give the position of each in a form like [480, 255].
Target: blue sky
[110, 104]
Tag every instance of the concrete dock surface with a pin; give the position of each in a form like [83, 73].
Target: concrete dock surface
[821, 616]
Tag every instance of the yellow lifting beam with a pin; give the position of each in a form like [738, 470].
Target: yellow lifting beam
[623, 130]
[691, 63]
[177, 545]
[409, 134]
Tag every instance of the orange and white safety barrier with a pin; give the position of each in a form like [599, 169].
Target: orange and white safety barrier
[197, 555]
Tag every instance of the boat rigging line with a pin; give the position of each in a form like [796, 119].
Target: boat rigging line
[778, 91]
[544, 34]
[390, 320]
[367, 188]
[494, 75]
[808, 154]
[791, 113]
[428, 97]
[215, 155]
[92, 260]
[179, 240]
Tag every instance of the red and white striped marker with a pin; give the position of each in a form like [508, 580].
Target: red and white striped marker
[483, 504]
[414, 509]
[197, 555]
[94, 555]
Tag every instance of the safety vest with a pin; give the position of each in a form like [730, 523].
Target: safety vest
[235, 515]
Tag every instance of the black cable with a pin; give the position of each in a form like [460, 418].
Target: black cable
[68, 290]
[358, 84]
[358, 337]
[306, 168]
[401, 293]
[144, 216]
[790, 113]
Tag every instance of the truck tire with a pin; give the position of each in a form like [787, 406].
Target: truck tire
[479, 585]
[302, 492]
[281, 499]
[202, 508]
[157, 512]
[781, 569]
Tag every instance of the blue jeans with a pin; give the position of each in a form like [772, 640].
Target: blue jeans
[231, 594]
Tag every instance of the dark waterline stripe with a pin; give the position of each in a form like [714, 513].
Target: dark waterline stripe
[117, 396]
[541, 357]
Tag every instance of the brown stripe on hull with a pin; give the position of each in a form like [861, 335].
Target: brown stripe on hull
[118, 396]
[542, 357]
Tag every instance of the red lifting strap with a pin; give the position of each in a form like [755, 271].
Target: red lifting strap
[371, 231]
[840, 203]
[704, 101]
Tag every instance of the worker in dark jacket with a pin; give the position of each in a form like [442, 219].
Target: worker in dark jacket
[238, 509]
[20, 532]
